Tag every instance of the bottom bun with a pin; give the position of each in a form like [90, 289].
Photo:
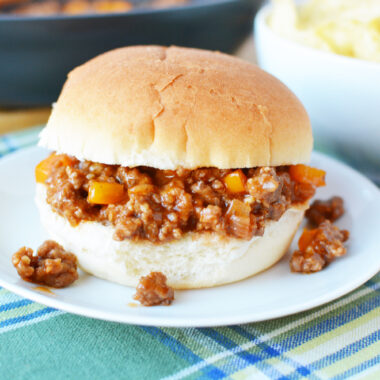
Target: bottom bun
[198, 260]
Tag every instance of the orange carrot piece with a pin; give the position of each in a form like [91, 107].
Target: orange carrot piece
[235, 181]
[104, 193]
[305, 239]
[43, 168]
[307, 174]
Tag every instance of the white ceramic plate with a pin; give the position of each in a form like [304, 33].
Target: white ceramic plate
[274, 293]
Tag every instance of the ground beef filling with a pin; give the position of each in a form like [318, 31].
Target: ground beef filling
[330, 209]
[51, 265]
[162, 205]
[152, 290]
[318, 248]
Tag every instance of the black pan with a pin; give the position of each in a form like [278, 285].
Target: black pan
[36, 53]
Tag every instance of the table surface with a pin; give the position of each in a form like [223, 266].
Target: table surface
[339, 340]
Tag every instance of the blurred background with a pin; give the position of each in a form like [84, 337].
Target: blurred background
[42, 40]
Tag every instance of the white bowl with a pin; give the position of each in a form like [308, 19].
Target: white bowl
[341, 94]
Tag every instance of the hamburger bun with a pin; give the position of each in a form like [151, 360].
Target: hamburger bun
[199, 260]
[171, 107]
[168, 108]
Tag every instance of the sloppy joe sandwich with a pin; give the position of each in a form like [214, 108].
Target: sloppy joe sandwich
[174, 160]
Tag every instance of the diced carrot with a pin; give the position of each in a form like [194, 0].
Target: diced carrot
[235, 181]
[43, 168]
[42, 171]
[307, 174]
[104, 193]
[305, 239]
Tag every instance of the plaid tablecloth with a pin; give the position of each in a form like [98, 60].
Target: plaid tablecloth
[337, 341]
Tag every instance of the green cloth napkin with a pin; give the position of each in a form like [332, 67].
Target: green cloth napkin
[337, 341]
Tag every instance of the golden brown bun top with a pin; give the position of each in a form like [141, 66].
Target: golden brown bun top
[170, 107]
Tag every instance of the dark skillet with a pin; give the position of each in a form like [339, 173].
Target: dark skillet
[36, 53]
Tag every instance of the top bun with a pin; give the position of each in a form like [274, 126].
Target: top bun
[169, 107]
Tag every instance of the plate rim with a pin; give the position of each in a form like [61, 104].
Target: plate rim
[148, 320]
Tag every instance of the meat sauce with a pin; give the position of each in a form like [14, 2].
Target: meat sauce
[152, 290]
[331, 209]
[51, 266]
[318, 248]
[144, 203]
